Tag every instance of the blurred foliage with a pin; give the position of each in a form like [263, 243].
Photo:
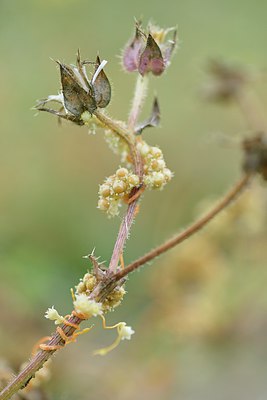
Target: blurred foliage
[200, 314]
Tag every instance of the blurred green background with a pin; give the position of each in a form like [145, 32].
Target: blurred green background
[201, 331]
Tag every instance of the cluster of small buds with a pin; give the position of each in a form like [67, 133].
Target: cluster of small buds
[114, 299]
[156, 175]
[87, 285]
[115, 189]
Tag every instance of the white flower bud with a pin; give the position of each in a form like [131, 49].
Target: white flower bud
[86, 116]
[158, 165]
[125, 332]
[122, 172]
[144, 148]
[53, 315]
[103, 204]
[168, 174]
[158, 179]
[156, 152]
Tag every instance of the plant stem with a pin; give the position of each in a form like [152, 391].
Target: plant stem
[38, 360]
[115, 126]
[138, 100]
[188, 232]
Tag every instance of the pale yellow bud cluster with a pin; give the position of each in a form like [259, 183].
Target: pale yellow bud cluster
[87, 285]
[113, 299]
[117, 145]
[87, 307]
[156, 175]
[116, 188]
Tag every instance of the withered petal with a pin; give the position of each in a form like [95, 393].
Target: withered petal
[101, 87]
[152, 121]
[151, 59]
[132, 51]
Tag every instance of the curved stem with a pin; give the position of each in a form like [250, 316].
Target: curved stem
[188, 232]
[115, 126]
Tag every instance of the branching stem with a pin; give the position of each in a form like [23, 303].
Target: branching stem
[188, 232]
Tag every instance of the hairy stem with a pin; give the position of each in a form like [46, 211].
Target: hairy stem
[138, 100]
[188, 232]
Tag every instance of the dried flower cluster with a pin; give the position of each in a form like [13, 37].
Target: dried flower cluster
[80, 96]
[149, 52]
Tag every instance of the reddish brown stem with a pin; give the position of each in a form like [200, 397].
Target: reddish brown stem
[191, 230]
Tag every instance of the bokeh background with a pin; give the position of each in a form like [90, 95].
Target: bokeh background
[200, 313]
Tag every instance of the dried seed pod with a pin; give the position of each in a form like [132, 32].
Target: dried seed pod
[76, 99]
[101, 86]
[151, 59]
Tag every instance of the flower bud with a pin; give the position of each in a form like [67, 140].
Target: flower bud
[104, 190]
[167, 174]
[103, 204]
[156, 152]
[119, 186]
[122, 172]
[158, 179]
[133, 180]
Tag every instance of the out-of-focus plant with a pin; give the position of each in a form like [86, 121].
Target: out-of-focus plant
[82, 100]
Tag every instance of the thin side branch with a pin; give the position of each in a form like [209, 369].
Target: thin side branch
[188, 232]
